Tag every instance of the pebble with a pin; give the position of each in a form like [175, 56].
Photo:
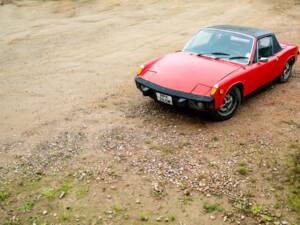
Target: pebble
[187, 192]
[138, 201]
[166, 219]
[284, 222]
[45, 212]
[62, 194]
[109, 212]
[158, 219]
[212, 217]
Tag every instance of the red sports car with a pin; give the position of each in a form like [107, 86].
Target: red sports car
[217, 68]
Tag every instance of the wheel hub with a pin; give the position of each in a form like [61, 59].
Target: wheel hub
[286, 71]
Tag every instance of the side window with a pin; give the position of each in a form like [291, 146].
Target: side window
[265, 47]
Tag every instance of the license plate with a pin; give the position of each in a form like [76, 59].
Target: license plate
[164, 98]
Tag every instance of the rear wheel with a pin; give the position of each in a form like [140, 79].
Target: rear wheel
[287, 72]
[230, 104]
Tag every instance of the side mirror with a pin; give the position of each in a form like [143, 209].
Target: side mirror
[263, 59]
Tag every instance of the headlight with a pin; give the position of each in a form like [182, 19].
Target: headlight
[140, 70]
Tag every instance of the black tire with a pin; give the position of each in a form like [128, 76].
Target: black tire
[286, 73]
[230, 104]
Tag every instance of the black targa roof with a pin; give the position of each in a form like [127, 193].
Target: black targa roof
[257, 33]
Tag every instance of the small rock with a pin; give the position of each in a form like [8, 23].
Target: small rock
[108, 196]
[55, 214]
[284, 222]
[62, 194]
[45, 212]
[138, 201]
[158, 219]
[242, 217]
[166, 219]
[212, 217]
[109, 212]
[187, 192]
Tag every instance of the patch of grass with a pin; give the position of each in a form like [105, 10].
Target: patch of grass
[64, 187]
[293, 188]
[256, 209]
[186, 199]
[81, 192]
[3, 196]
[148, 142]
[210, 208]
[51, 192]
[143, 217]
[266, 218]
[64, 216]
[12, 221]
[242, 169]
[250, 209]
[26, 207]
[166, 149]
[117, 208]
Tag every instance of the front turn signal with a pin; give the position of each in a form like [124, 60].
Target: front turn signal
[140, 70]
[214, 89]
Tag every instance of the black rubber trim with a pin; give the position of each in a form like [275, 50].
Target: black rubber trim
[140, 81]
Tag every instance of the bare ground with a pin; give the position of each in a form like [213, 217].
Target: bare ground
[80, 145]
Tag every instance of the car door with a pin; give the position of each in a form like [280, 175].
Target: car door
[263, 68]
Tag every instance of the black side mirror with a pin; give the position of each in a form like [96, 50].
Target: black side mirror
[263, 59]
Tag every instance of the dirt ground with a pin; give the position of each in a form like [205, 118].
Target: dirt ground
[80, 145]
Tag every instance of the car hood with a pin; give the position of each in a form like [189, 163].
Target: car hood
[183, 71]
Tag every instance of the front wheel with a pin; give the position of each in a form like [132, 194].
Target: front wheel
[230, 104]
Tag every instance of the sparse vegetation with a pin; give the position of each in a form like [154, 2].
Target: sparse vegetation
[143, 217]
[243, 170]
[293, 188]
[210, 208]
[26, 206]
[166, 149]
[49, 193]
[52, 193]
[3, 196]
[81, 192]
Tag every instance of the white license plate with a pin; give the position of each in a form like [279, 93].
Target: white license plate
[164, 98]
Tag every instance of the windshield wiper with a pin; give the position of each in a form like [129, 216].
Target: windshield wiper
[239, 57]
[218, 53]
[212, 53]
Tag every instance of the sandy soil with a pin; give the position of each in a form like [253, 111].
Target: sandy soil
[67, 68]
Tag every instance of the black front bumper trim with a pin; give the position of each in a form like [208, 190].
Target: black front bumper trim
[146, 87]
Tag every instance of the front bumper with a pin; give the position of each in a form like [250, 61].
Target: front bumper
[179, 98]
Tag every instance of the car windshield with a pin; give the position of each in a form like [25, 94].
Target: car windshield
[222, 45]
